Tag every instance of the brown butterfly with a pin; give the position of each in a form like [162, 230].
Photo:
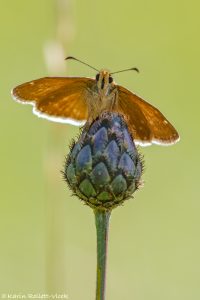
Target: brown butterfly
[76, 100]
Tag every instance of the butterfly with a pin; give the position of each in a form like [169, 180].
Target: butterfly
[76, 100]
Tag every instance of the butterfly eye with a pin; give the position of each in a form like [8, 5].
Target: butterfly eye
[110, 79]
[97, 77]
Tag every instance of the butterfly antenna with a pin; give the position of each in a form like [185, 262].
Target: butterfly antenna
[74, 58]
[131, 69]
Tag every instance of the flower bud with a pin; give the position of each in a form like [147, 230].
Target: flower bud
[103, 167]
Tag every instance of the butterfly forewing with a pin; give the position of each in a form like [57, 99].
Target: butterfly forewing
[57, 98]
[147, 122]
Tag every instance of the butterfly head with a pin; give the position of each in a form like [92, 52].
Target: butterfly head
[104, 81]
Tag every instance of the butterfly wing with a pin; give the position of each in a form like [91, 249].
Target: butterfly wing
[147, 122]
[60, 99]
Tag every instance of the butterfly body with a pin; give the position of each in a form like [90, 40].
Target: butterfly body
[102, 96]
[76, 100]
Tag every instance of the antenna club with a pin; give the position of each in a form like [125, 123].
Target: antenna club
[135, 69]
[69, 57]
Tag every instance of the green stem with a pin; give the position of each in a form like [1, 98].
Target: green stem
[102, 226]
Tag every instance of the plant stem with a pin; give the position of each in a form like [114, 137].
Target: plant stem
[102, 226]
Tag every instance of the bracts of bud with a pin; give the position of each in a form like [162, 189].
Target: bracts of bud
[104, 167]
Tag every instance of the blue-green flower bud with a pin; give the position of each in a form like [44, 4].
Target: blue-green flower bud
[103, 167]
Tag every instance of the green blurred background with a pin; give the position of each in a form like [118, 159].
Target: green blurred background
[48, 238]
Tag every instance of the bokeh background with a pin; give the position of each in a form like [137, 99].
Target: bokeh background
[48, 238]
